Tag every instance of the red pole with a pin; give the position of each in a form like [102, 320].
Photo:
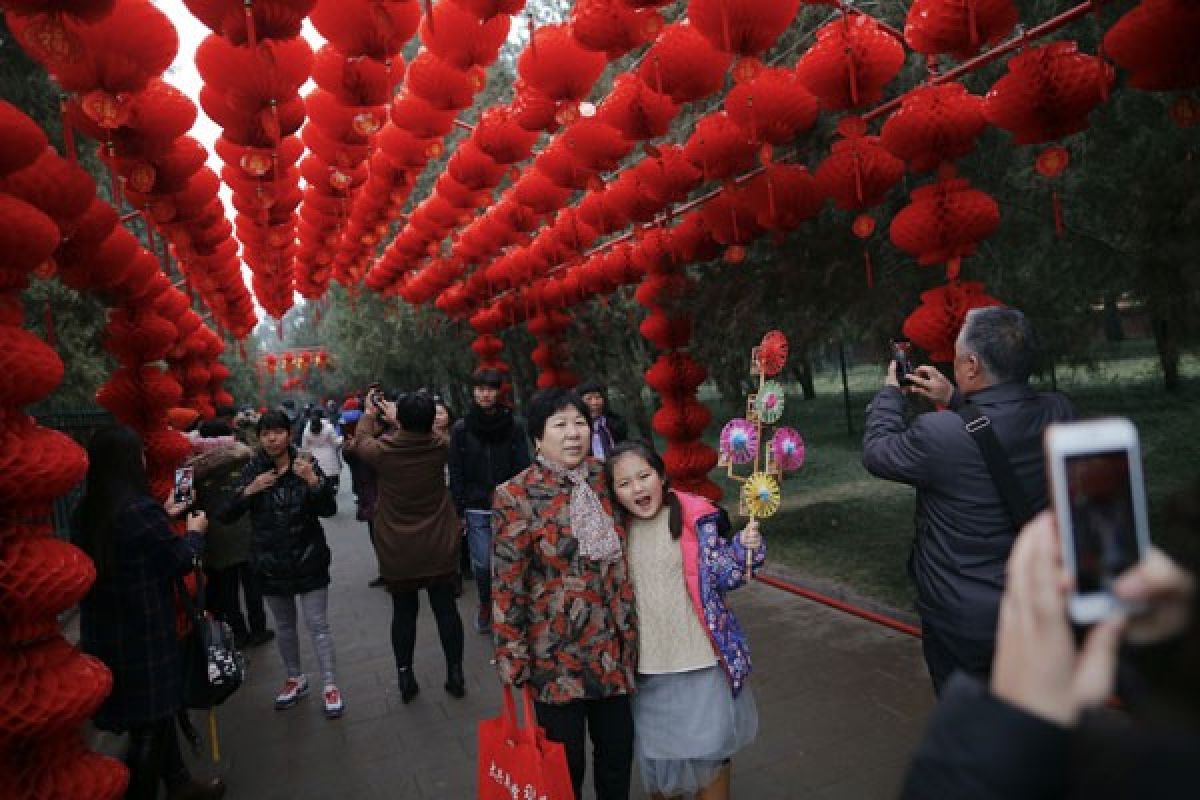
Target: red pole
[862, 613]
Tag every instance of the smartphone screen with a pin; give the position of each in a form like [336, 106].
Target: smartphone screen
[184, 477]
[1100, 493]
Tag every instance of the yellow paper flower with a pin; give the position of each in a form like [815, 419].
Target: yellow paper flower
[760, 495]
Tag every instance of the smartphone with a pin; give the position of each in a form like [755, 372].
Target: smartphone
[184, 485]
[902, 355]
[1099, 499]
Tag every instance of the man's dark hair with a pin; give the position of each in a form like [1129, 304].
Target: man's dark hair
[1004, 341]
[548, 402]
[211, 429]
[274, 421]
[415, 412]
[225, 411]
[587, 387]
[487, 377]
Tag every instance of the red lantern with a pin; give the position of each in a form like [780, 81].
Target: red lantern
[945, 221]
[555, 64]
[683, 65]
[859, 171]
[784, 196]
[597, 145]
[1051, 163]
[500, 136]
[851, 62]
[366, 27]
[21, 140]
[957, 27]
[742, 27]
[460, 38]
[612, 27]
[773, 107]
[1048, 93]
[1156, 42]
[934, 124]
[720, 148]
[636, 110]
[935, 324]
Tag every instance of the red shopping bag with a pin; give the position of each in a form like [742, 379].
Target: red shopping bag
[520, 763]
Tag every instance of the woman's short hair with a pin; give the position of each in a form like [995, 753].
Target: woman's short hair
[273, 421]
[548, 402]
[415, 412]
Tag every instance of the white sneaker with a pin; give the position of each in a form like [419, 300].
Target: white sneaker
[293, 690]
[333, 702]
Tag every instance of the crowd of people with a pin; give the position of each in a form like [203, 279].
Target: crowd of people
[604, 588]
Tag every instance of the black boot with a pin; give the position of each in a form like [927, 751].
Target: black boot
[456, 684]
[408, 685]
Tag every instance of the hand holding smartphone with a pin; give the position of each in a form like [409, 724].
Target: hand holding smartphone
[1099, 499]
[184, 492]
[902, 355]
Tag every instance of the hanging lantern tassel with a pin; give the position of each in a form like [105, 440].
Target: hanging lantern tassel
[1051, 163]
[242, 349]
[279, 329]
[429, 14]
[953, 269]
[863, 228]
[68, 130]
[251, 34]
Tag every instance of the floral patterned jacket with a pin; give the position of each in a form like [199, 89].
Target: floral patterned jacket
[712, 566]
[564, 624]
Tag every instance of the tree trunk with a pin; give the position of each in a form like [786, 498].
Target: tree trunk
[807, 389]
[1167, 343]
[1113, 331]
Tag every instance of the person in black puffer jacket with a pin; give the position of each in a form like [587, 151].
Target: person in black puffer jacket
[284, 496]
[487, 447]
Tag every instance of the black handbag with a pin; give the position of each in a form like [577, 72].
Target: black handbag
[213, 666]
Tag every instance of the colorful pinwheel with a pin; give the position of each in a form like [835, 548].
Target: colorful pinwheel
[768, 403]
[739, 441]
[787, 449]
[772, 353]
[760, 495]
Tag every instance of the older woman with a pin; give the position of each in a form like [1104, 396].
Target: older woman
[562, 602]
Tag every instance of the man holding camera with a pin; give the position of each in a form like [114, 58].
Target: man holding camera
[979, 473]
[487, 447]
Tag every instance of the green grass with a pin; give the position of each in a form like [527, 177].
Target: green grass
[840, 525]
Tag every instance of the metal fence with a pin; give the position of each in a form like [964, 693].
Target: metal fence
[79, 424]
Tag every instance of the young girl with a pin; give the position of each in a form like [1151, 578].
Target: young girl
[692, 710]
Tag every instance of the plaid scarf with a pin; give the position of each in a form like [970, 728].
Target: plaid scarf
[591, 525]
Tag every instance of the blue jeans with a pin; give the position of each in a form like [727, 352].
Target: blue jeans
[479, 544]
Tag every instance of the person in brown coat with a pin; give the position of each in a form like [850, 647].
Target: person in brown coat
[416, 528]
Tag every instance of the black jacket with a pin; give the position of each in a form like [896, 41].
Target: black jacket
[981, 748]
[485, 451]
[963, 530]
[288, 549]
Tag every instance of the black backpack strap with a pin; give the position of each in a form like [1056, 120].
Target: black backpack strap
[194, 609]
[979, 426]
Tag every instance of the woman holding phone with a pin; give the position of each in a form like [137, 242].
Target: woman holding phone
[693, 709]
[127, 619]
[284, 495]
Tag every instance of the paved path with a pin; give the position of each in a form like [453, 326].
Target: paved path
[842, 703]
